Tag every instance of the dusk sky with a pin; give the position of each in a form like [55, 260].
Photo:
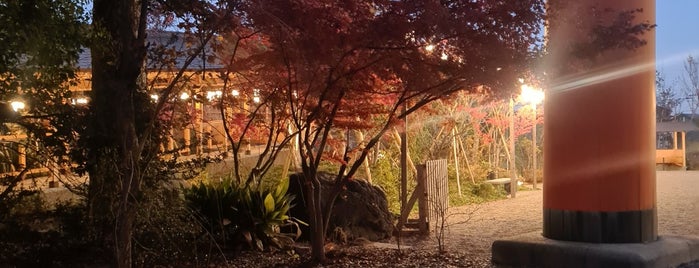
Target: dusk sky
[676, 37]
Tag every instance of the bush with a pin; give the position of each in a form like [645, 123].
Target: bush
[486, 191]
[34, 236]
[386, 176]
[13, 200]
[166, 232]
[474, 193]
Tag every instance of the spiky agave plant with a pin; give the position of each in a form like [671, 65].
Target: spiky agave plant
[246, 214]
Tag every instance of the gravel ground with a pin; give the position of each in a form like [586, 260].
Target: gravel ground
[678, 214]
[678, 202]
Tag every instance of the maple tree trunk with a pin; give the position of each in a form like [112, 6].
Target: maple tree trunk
[130, 180]
[118, 75]
[124, 233]
[315, 213]
[287, 161]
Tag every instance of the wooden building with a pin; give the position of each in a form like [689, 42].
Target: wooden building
[198, 89]
[671, 143]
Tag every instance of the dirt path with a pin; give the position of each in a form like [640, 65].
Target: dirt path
[678, 214]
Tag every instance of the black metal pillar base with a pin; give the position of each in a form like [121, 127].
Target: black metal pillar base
[601, 226]
[534, 250]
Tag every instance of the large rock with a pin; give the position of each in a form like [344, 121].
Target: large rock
[360, 210]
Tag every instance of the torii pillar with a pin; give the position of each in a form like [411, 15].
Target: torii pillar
[599, 206]
[599, 160]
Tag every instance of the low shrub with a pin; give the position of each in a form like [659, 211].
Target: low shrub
[167, 233]
[242, 215]
[384, 175]
[474, 193]
[485, 191]
[32, 235]
[37, 234]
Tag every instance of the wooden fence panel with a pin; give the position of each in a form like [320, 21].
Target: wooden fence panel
[436, 191]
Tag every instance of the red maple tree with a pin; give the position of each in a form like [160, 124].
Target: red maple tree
[354, 64]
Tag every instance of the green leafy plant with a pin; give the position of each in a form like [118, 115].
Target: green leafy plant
[244, 214]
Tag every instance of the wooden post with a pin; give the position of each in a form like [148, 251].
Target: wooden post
[534, 165]
[513, 156]
[21, 156]
[465, 156]
[200, 144]
[359, 137]
[397, 141]
[404, 161]
[209, 137]
[187, 136]
[423, 204]
[170, 141]
[456, 159]
[684, 149]
[674, 140]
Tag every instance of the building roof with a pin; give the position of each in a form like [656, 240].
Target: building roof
[676, 126]
[170, 40]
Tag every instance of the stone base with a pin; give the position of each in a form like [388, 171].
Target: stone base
[534, 250]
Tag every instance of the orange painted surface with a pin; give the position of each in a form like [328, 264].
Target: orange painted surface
[672, 157]
[599, 144]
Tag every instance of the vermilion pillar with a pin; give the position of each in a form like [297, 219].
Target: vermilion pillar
[599, 148]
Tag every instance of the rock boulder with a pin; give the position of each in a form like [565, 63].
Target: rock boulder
[360, 210]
